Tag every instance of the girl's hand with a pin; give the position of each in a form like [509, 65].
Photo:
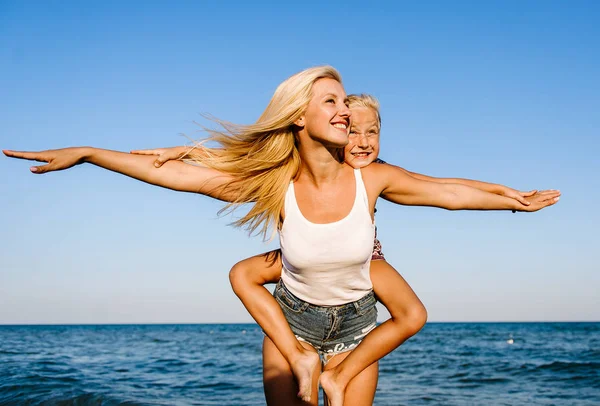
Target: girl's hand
[57, 159]
[165, 154]
[540, 200]
[519, 196]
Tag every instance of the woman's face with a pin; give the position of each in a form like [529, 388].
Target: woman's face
[327, 117]
[363, 141]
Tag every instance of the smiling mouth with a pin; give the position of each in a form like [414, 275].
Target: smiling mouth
[340, 126]
[360, 154]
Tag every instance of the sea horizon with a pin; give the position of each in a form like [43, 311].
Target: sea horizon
[253, 323]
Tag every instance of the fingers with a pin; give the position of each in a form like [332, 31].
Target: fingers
[164, 154]
[545, 194]
[161, 160]
[522, 200]
[540, 200]
[551, 201]
[169, 155]
[40, 169]
[527, 194]
[147, 151]
[32, 156]
[159, 151]
[549, 193]
[549, 197]
[540, 204]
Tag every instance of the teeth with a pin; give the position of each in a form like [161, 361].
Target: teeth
[341, 126]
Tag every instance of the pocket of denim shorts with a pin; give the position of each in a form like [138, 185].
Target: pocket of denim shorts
[365, 304]
[290, 303]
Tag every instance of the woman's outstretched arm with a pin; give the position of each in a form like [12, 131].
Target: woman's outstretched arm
[173, 175]
[395, 185]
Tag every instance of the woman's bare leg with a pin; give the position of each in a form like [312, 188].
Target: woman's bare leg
[280, 387]
[247, 279]
[361, 389]
[408, 316]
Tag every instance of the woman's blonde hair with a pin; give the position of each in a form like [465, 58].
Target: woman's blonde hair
[365, 100]
[263, 157]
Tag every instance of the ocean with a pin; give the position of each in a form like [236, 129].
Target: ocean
[220, 364]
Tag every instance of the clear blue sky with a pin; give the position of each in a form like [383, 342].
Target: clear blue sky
[504, 91]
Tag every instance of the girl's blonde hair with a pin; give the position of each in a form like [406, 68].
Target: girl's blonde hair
[365, 100]
[263, 157]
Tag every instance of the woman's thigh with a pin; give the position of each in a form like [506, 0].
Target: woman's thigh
[361, 389]
[280, 386]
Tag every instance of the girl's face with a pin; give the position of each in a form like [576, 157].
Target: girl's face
[327, 117]
[363, 145]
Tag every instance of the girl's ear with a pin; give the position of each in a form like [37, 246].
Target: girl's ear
[300, 122]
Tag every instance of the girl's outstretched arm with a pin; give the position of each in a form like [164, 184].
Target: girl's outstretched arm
[395, 185]
[485, 186]
[173, 175]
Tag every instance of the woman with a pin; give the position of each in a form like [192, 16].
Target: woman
[408, 315]
[300, 137]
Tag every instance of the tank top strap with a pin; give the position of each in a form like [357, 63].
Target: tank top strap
[361, 190]
[290, 206]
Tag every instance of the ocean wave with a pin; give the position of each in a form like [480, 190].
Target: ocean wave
[571, 367]
[96, 399]
[484, 381]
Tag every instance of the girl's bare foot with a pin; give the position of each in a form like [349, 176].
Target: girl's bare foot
[333, 390]
[303, 368]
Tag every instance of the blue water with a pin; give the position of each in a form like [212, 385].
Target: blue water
[445, 364]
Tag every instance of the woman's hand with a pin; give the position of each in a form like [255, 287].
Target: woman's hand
[57, 159]
[541, 199]
[166, 154]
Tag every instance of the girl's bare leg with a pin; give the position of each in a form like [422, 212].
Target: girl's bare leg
[247, 279]
[408, 316]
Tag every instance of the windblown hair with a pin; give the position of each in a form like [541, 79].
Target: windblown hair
[365, 100]
[263, 157]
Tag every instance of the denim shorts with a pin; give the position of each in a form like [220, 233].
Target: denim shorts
[330, 330]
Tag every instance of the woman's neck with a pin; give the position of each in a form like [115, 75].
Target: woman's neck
[320, 164]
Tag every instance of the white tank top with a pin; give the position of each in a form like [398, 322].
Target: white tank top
[328, 264]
